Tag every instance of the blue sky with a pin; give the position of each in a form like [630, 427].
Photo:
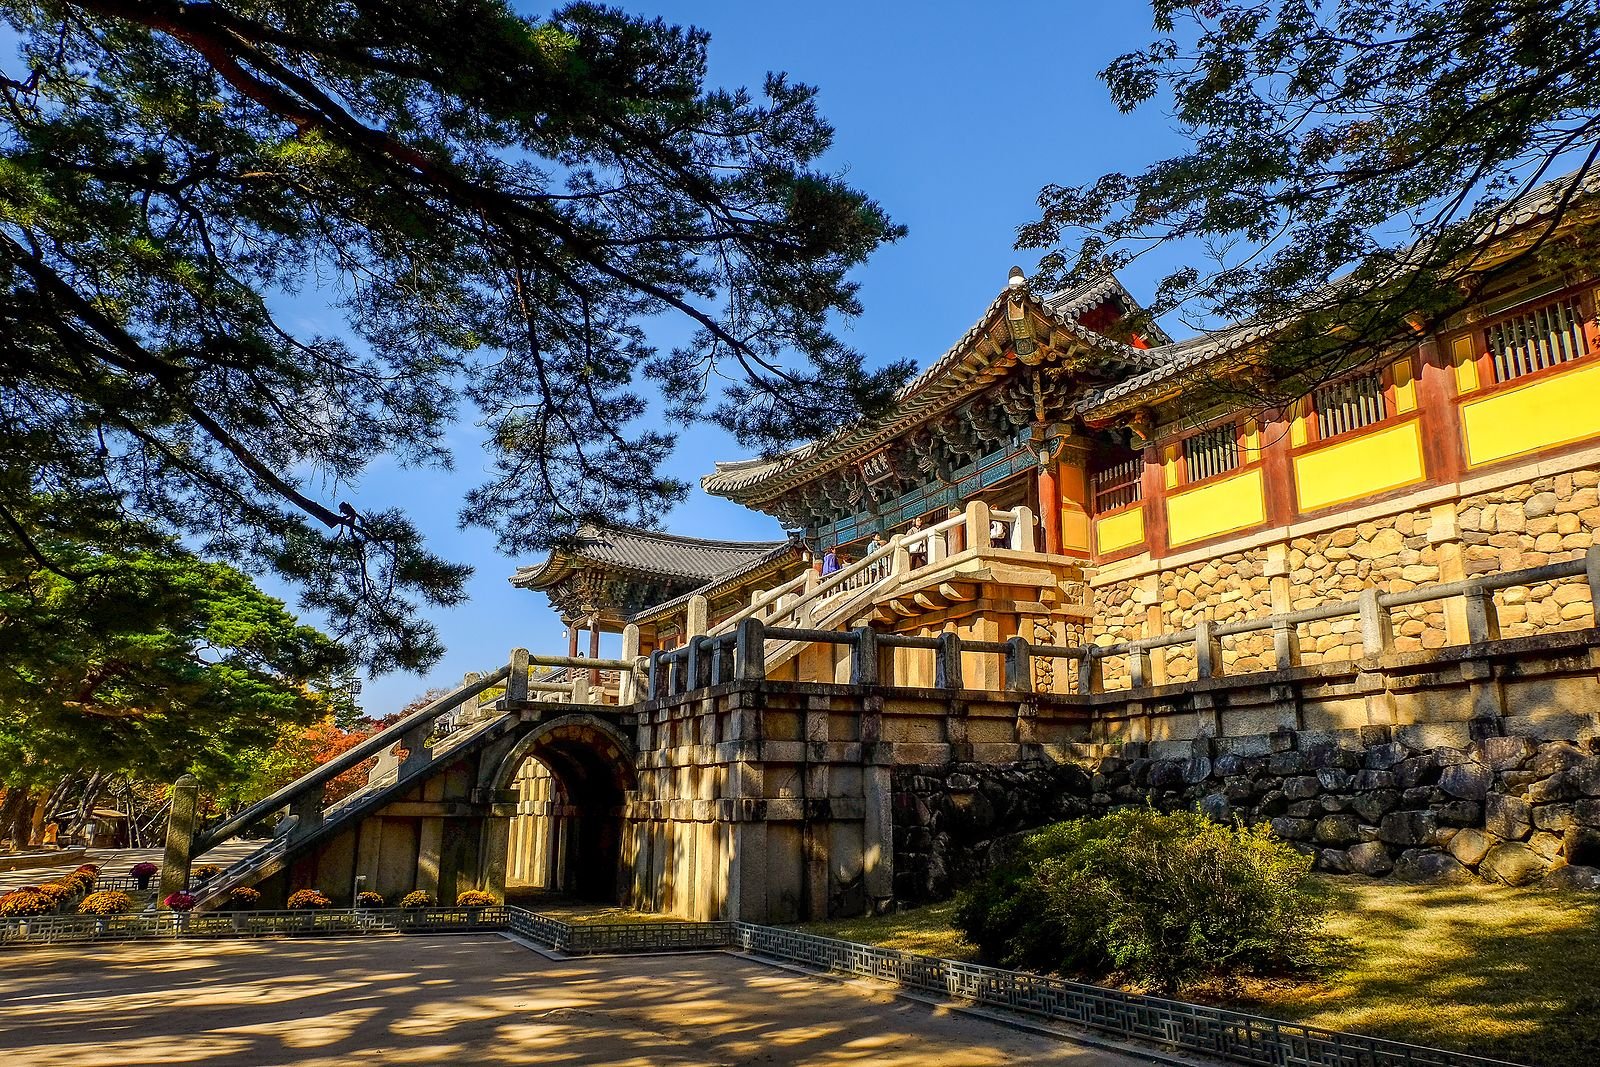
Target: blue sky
[952, 116]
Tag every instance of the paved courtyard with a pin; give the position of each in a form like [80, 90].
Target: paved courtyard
[468, 1000]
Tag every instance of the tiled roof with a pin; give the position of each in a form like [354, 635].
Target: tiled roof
[784, 551]
[1163, 365]
[648, 552]
[952, 374]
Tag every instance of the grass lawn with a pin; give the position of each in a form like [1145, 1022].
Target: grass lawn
[1513, 974]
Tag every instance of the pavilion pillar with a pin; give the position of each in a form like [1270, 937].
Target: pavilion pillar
[572, 639]
[1050, 508]
[594, 649]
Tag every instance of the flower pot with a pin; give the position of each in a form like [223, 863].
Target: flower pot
[143, 882]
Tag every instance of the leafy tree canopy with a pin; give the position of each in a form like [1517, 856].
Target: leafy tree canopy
[1371, 140]
[497, 202]
[148, 664]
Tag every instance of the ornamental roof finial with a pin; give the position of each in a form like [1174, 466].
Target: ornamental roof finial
[1016, 279]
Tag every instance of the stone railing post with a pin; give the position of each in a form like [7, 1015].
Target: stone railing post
[657, 684]
[864, 657]
[1090, 671]
[470, 711]
[1377, 632]
[517, 680]
[1141, 671]
[1019, 665]
[947, 662]
[978, 525]
[1286, 645]
[180, 836]
[1591, 570]
[750, 651]
[1483, 621]
[628, 683]
[1207, 651]
[580, 687]
[694, 616]
[1022, 534]
[698, 671]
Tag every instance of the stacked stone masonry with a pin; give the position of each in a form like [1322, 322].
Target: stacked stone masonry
[1511, 810]
[1543, 520]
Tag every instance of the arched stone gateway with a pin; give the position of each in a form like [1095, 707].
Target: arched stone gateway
[571, 777]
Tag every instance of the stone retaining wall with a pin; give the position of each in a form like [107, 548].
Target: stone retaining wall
[1511, 810]
[1546, 519]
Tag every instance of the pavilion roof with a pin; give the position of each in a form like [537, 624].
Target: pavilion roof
[971, 364]
[1140, 375]
[645, 552]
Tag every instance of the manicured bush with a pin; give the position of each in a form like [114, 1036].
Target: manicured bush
[25, 903]
[474, 898]
[417, 899]
[1160, 899]
[204, 871]
[308, 900]
[179, 901]
[106, 902]
[243, 897]
[370, 900]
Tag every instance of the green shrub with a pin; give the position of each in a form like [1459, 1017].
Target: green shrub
[1158, 899]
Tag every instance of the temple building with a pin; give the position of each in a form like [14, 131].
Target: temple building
[1063, 574]
[1049, 477]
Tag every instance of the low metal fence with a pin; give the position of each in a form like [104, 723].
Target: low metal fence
[169, 925]
[1228, 1035]
[588, 938]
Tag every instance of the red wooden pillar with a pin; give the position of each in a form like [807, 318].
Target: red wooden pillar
[1277, 467]
[1442, 446]
[572, 639]
[1050, 509]
[1153, 496]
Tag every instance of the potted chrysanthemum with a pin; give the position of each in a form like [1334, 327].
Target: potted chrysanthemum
[103, 905]
[474, 900]
[141, 873]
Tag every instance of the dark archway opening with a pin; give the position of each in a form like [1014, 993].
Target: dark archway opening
[566, 838]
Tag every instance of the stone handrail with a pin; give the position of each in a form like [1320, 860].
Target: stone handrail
[743, 656]
[372, 746]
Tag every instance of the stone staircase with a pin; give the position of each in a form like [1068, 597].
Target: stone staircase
[407, 753]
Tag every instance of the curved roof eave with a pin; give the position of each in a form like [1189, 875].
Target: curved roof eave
[939, 382]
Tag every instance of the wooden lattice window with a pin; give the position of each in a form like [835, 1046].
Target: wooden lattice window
[1349, 405]
[1211, 452]
[1533, 340]
[1118, 485]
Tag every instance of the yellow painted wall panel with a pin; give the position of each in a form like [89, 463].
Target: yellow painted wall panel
[1466, 365]
[1219, 507]
[1361, 466]
[1116, 532]
[1405, 386]
[1551, 411]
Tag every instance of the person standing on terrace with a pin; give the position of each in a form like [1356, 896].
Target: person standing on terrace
[830, 561]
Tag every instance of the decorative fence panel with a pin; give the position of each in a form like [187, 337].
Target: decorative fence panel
[167, 925]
